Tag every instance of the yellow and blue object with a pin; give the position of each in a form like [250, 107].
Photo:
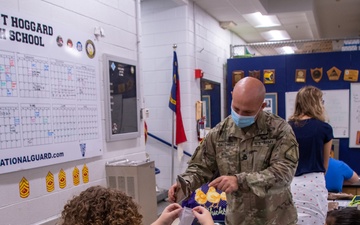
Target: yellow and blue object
[355, 201]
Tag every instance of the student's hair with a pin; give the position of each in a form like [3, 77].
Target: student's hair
[346, 216]
[101, 206]
[308, 102]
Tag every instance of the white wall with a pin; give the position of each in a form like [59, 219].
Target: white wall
[201, 44]
[118, 18]
[164, 23]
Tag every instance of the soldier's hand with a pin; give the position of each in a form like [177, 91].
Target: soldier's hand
[172, 192]
[227, 184]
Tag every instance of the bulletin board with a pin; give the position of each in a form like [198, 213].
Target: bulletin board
[121, 98]
[49, 92]
[336, 103]
[285, 67]
[354, 140]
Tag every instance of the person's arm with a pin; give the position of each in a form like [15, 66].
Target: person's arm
[327, 149]
[172, 192]
[170, 213]
[282, 166]
[354, 178]
[202, 165]
[227, 184]
[203, 215]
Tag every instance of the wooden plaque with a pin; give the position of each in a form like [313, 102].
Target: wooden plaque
[300, 76]
[236, 76]
[316, 74]
[269, 76]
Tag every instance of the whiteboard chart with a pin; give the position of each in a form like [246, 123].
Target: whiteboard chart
[33, 73]
[354, 140]
[336, 104]
[8, 74]
[50, 108]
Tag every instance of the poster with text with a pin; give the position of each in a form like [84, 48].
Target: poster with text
[49, 93]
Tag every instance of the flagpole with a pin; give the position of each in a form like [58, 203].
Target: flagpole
[172, 151]
[172, 141]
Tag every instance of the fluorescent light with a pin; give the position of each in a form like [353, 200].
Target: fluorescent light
[286, 50]
[258, 20]
[275, 35]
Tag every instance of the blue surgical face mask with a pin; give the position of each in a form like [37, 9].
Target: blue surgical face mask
[242, 121]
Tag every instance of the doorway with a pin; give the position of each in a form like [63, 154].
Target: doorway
[211, 97]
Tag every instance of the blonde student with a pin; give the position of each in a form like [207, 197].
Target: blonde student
[314, 136]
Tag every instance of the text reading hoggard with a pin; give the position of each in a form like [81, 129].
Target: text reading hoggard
[26, 26]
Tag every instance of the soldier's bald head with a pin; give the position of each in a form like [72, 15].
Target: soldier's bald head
[249, 89]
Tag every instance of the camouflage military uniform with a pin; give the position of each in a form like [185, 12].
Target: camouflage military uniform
[264, 160]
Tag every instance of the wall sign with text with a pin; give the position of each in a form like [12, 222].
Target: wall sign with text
[49, 93]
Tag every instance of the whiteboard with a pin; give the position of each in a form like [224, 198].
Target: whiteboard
[354, 115]
[337, 109]
[50, 108]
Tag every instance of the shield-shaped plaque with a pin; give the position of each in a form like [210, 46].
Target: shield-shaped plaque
[333, 73]
[254, 73]
[316, 74]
